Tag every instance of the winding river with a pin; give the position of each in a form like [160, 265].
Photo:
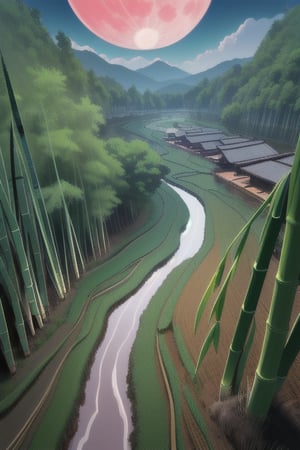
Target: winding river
[105, 417]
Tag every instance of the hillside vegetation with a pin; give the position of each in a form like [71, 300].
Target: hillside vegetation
[63, 188]
[262, 97]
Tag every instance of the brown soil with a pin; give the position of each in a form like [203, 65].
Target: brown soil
[242, 182]
[206, 389]
[208, 379]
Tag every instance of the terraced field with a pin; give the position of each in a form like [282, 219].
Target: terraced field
[227, 209]
[38, 405]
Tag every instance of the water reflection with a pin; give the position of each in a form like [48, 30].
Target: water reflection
[105, 418]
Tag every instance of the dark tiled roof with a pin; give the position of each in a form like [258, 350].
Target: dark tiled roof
[240, 155]
[194, 131]
[211, 145]
[271, 170]
[234, 140]
[204, 138]
[180, 134]
[240, 145]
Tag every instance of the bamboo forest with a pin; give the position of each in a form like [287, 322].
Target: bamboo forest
[102, 188]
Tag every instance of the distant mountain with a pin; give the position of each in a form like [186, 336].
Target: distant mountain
[157, 77]
[184, 84]
[121, 74]
[214, 72]
[161, 71]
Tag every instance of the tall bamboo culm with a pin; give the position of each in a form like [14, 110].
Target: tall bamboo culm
[232, 373]
[279, 348]
[266, 381]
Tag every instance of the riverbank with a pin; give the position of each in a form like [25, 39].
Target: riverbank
[227, 209]
[110, 283]
[226, 212]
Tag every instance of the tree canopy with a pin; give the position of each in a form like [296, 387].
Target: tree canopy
[263, 96]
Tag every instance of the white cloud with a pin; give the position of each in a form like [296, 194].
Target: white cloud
[82, 48]
[242, 43]
[134, 63]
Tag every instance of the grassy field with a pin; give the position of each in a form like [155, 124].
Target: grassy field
[226, 211]
[115, 278]
[109, 284]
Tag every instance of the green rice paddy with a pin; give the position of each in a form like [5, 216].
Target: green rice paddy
[121, 274]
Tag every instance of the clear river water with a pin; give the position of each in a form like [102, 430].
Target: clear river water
[105, 417]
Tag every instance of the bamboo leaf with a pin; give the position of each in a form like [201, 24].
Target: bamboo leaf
[220, 270]
[218, 306]
[206, 296]
[216, 278]
[220, 300]
[19, 124]
[279, 200]
[212, 338]
[266, 384]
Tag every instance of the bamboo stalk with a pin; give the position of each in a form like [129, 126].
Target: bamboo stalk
[30, 234]
[45, 230]
[217, 276]
[5, 341]
[290, 353]
[229, 384]
[22, 258]
[72, 240]
[39, 205]
[3, 177]
[12, 295]
[277, 326]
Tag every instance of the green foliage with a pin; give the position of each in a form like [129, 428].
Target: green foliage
[105, 287]
[53, 198]
[273, 363]
[83, 185]
[142, 166]
[194, 174]
[216, 279]
[231, 116]
[278, 351]
[257, 97]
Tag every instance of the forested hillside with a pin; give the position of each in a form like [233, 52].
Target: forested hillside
[63, 188]
[62, 107]
[262, 97]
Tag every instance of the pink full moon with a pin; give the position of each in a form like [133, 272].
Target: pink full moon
[140, 24]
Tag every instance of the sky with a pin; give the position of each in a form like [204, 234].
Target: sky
[230, 29]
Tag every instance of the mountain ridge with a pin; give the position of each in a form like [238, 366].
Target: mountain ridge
[143, 79]
[161, 71]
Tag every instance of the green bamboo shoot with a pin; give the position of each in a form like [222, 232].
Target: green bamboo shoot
[270, 232]
[277, 326]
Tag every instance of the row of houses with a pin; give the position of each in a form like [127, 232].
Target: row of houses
[244, 156]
